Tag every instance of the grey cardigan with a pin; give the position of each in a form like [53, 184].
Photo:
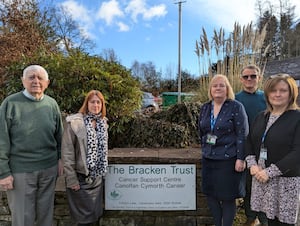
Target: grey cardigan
[74, 143]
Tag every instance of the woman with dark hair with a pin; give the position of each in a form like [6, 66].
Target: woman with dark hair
[84, 154]
[273, 153]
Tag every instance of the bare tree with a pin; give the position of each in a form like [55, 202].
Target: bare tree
[69, 35]
[280, 33]
[110, 55]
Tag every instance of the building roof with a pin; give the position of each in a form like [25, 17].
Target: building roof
[289, 66]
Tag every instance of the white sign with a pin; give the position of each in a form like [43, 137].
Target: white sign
[150, 187]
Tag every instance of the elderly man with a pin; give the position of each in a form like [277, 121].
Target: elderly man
[31, 130]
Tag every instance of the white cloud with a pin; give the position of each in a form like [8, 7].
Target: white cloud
[116, 13]
[139, 7]
[224, 13]
[221, 13]
[80, 14]
[109, 11]
[77, 11]
[155, 11]
[122, 26]
[135, 7]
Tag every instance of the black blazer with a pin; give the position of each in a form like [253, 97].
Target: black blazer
[282, 141]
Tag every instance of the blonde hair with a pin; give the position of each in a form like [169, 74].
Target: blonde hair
[84, 107]
[272, 81]
[230, 93]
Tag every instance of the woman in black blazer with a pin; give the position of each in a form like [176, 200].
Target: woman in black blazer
[273, 153]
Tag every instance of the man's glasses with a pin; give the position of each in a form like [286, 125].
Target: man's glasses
[246, 77]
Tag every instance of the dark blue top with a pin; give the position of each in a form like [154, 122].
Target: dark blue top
[231, 128]
[254, 103]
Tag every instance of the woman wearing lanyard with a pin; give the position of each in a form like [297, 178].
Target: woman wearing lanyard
[223, 127]
[273, 153]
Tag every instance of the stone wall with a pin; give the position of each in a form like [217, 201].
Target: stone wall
[198, 217]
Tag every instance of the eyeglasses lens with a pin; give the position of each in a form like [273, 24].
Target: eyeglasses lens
[246, 77]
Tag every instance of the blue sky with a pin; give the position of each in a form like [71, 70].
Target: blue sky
[147, 30]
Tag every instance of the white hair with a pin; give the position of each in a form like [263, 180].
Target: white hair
[35, 68]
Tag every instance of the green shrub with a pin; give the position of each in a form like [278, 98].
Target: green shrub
[74, 75]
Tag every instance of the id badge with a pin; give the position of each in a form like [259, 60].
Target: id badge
[211, 139]
[263, 154]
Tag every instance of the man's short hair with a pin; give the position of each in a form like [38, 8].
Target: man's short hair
[35, 68]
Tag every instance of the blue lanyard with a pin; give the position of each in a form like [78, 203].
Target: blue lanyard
[263, 137]
[212, 118]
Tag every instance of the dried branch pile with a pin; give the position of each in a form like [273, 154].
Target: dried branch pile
[174, 127]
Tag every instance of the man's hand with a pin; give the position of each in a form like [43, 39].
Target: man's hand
[7, 183]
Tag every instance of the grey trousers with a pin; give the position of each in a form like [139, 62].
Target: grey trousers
[32, 200]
